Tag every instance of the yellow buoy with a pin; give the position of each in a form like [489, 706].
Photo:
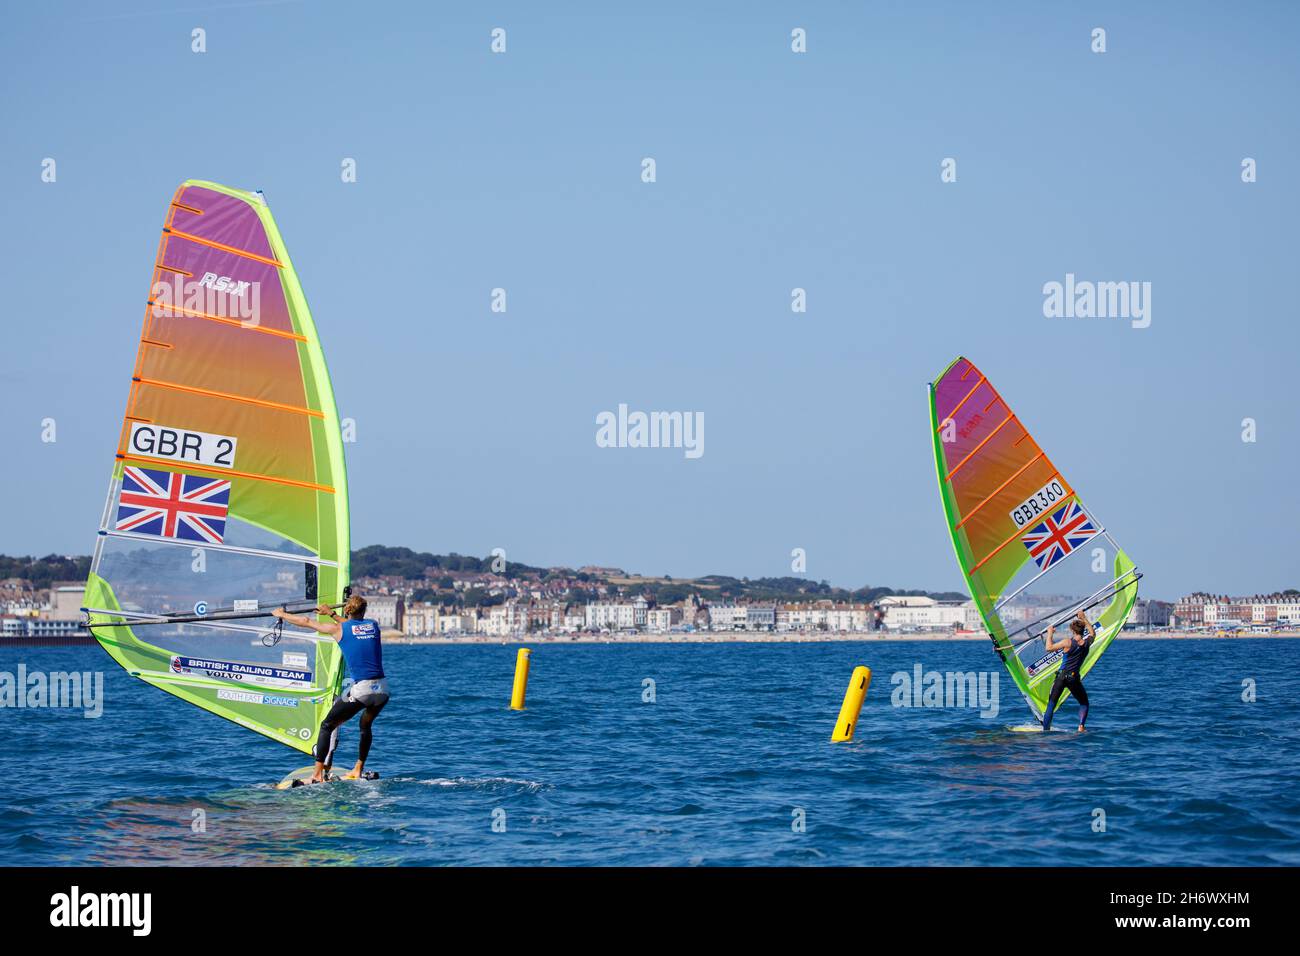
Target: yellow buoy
[521, 679]
[853, 698]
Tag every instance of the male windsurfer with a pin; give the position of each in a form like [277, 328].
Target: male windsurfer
[358, 638]
[1076, 649]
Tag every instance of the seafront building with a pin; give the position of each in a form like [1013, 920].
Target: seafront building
[38, 628]
[890, 615]
[617, 615]
[925, 613]
[51, 614]
[828, 616]
[1261, 611]
[389, 610]
[661, 620]
[1149, 613]
[742, 617]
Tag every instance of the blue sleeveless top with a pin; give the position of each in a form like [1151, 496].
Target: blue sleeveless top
[361, 649]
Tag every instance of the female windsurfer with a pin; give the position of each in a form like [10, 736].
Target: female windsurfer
[358, 638]
[1076, 649]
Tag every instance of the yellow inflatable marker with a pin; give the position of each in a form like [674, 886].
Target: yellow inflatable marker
[521, 679]
[853, 698]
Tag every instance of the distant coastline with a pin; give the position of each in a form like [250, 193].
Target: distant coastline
[425, 598]
[702, 637]
[758, 637]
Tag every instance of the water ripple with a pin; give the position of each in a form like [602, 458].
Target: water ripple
[730, 765]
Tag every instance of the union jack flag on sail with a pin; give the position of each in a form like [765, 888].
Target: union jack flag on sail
[170, 504]
[1057, 535]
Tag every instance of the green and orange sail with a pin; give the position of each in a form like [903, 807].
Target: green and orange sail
[1031, 552]
[228, 496]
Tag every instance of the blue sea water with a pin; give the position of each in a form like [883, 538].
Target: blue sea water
[718, 769]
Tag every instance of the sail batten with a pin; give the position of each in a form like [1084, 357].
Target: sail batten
[241, 474]
[228, 492]
[1030, 551]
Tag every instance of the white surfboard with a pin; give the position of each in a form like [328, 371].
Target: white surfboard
[300, 777]
[1036, 729]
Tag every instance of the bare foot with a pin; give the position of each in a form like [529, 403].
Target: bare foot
[1081, 729]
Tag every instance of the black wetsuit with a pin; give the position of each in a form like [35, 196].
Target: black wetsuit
[345, 708]
[1067, 678]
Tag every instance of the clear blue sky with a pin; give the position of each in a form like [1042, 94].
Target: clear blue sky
[820, 171]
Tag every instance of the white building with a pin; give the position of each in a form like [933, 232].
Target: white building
[506, 619]
[742, 617]
[1149, 613]
[422, 619]
[389, 610]
[616, 615]
[462, 622]
[66, 602]
[29, 626]
[806, 617]
[924, 613]
[661, 620]
[726, 617]
[849, 617]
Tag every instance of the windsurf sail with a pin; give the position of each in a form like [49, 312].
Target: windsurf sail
[1032, 553]
[228, 496]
